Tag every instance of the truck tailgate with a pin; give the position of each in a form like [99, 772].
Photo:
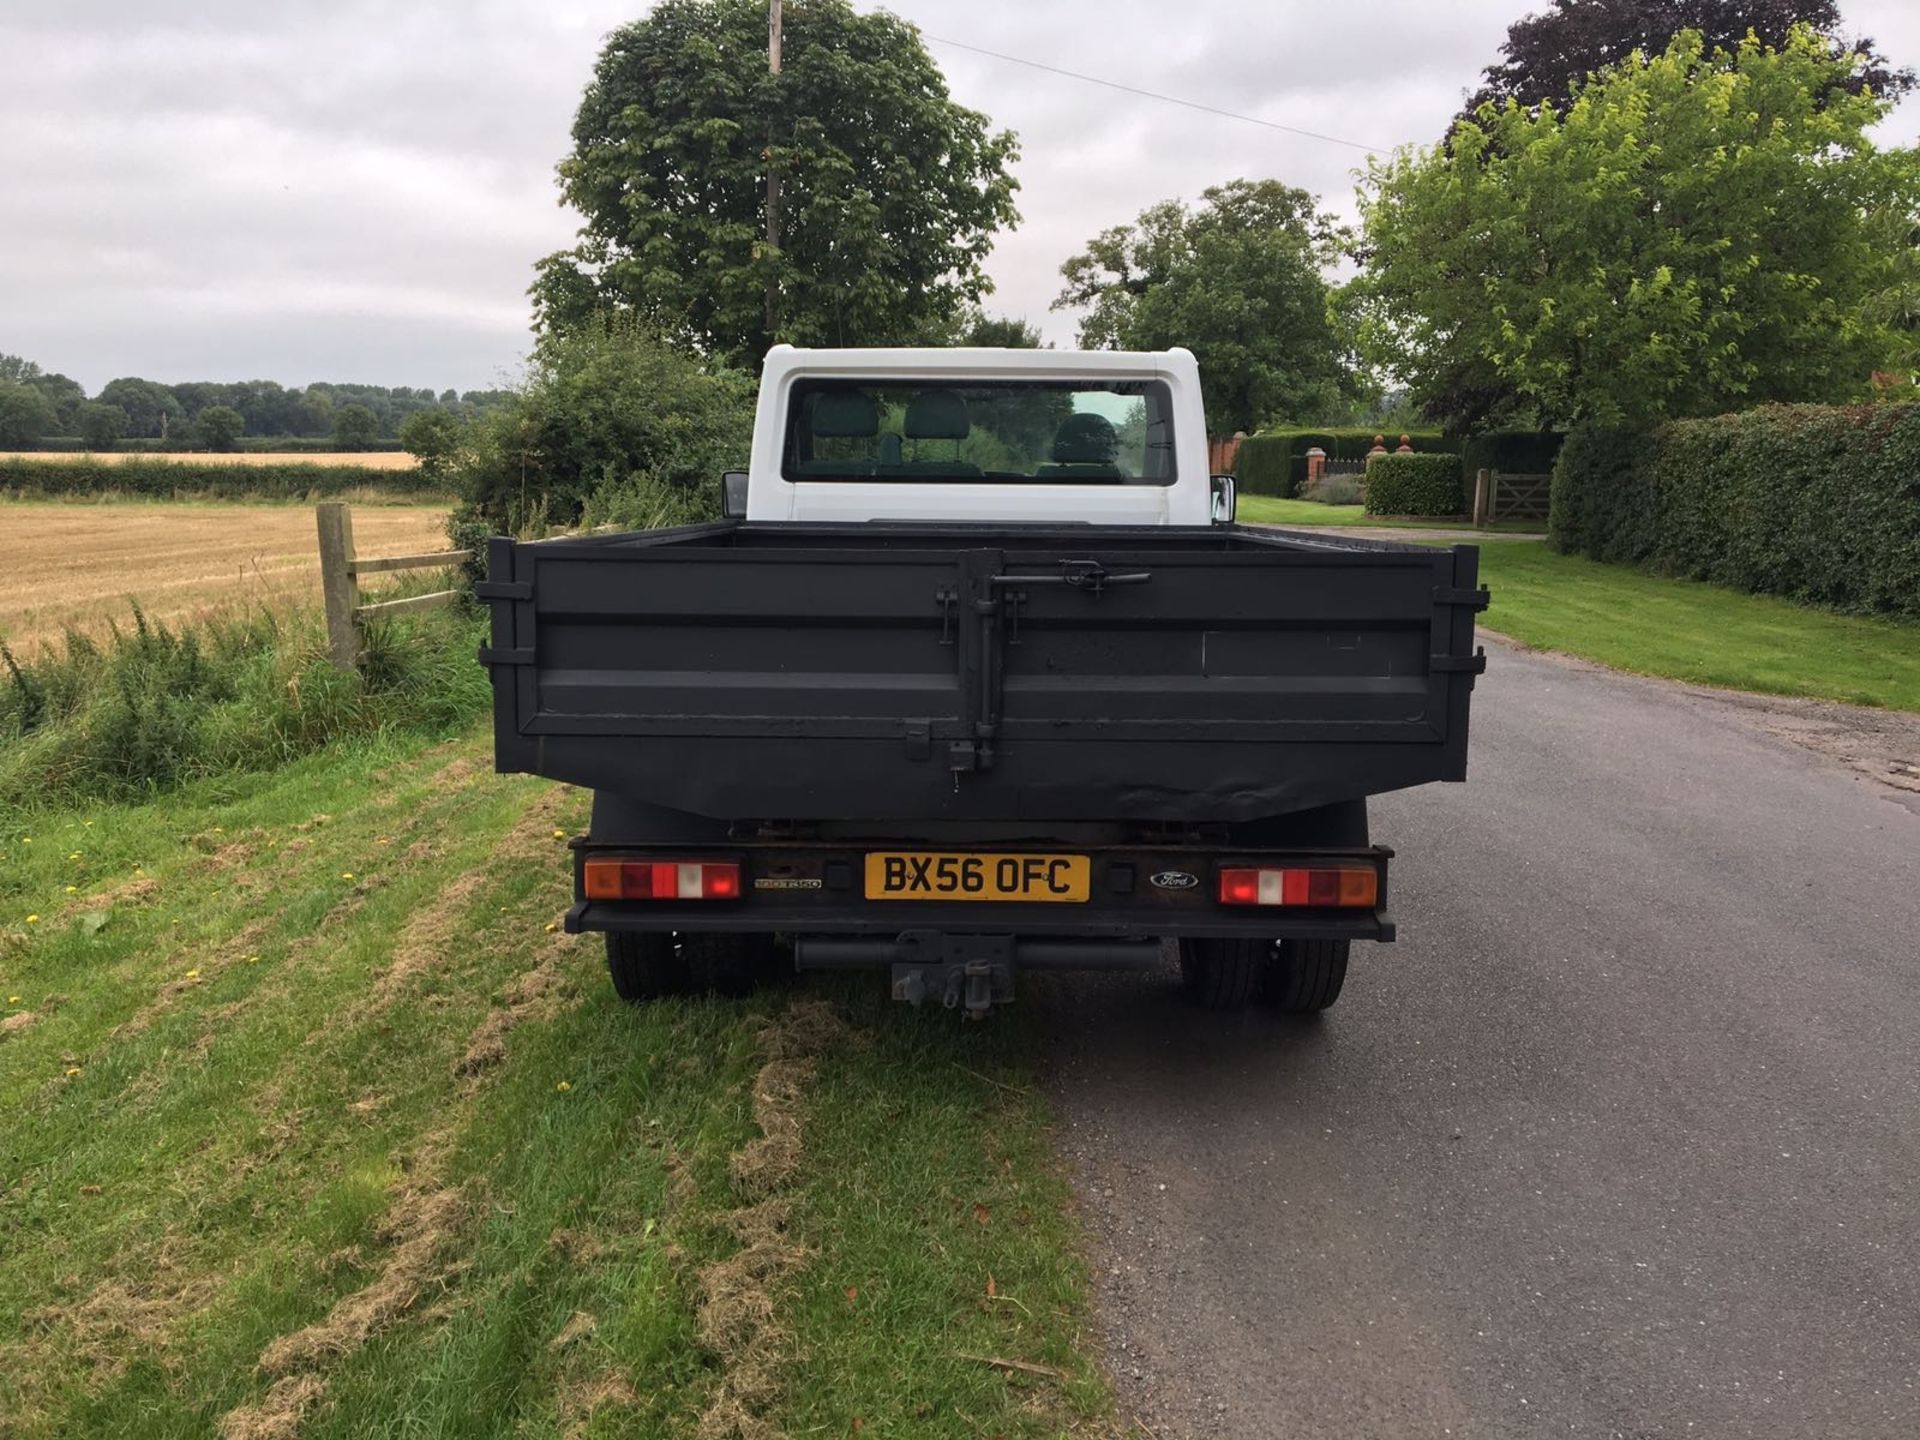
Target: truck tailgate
[1057, 673]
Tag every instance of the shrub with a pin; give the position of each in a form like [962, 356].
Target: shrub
[1281, 455]
[1817, 503]
[277, 480]
[154, 706]
[1517, 452]
[1335, 490]
[1414, 485]
[611, 408]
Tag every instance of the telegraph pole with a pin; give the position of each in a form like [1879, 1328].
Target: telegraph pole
[773, 182]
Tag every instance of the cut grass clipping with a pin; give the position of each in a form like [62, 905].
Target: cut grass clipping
[318, 1124]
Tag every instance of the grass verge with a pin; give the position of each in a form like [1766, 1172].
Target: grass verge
[317, 1124]
[1306, 514]
[1704, 634]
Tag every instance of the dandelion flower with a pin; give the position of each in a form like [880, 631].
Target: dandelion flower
[193, 974]
[253, 959]
[564, 1086]
[551, 927]
[559, 834]
[35, 920]
[346, 874]
[73, 889]
[74, 856]
[13, 999]
[72, 1070]
[26, 839]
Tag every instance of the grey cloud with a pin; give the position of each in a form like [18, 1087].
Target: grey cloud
[358, 190]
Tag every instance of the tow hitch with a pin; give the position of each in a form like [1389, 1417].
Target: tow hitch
[974, 972]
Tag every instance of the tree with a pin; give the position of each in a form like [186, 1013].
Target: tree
[17, 370]
[1690, 235]
[149, 406]
[219, 426]
[891, 192]
[25, 416]
[614, 419]
[101, 426]
[1002, 332]
[355, 427]
[433, 438]
[1237, 281]
[1549, 54]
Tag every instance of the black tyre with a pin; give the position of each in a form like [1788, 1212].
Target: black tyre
[726, 964]
[1304, 977]
[1222, 974]
[645, 967]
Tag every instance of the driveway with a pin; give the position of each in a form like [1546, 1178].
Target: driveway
[1621, 1139]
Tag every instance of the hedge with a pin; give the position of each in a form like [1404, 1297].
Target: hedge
[1517, 452]
[229, 481]
[267, 444]
[1415, 485]
[1279, 457]
[1816, 503]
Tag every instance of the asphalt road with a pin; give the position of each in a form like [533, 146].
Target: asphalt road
[1622, 1138]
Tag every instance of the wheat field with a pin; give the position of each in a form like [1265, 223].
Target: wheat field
[82, 564]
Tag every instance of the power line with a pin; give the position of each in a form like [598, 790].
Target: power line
[1155, 95]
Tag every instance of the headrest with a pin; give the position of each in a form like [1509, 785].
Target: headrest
[937, 415]
[1086, 440]
[841, 413]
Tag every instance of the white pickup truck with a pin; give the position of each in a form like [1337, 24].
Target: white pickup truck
[979, 676]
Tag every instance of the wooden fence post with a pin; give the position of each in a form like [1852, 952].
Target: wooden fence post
[1493, 496]
[1482, 496]
[338, 583]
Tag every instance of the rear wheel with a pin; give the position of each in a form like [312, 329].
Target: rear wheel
[1222, 974]
[645, 967]
[726, 964]
[1304, 976]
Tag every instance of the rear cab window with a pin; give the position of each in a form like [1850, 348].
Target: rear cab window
[1077, 432]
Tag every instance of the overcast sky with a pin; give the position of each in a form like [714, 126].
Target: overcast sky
[357, 191]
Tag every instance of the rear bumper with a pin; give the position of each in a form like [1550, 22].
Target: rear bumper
[804, 889]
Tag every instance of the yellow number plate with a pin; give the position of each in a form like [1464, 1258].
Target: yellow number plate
[912, 875]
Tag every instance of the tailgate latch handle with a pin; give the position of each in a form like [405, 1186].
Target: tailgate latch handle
[1087, 575]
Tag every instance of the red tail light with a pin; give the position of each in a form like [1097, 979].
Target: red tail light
[661, 879]
[1353, 886]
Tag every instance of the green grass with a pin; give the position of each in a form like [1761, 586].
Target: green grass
[229, 1091]
[1271, 510]
[1704, 634]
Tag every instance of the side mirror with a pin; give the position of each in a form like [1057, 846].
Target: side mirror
[733, 495]
[1224, 499]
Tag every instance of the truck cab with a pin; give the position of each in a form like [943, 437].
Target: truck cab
[980, 437]
[978, 677]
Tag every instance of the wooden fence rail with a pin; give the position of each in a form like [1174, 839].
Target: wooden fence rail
[340, 572]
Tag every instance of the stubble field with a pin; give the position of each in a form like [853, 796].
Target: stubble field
[81, 565]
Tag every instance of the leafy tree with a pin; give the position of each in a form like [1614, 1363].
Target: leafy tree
[25, 416]
[1549, 54]
[1690, 235]
[150, 407]
[1237, 281]
[219, 426]
[101, 426]
[612, 422]
[433, 438]
[891, 192]
[355, 427]
[17, 370]
[66, 395]
[997, 332]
